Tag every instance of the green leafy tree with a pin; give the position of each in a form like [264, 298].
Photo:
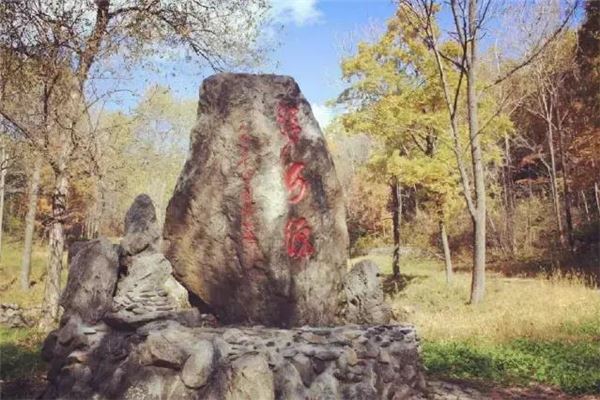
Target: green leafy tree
[397, 97]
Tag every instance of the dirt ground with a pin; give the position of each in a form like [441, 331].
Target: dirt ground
[444, 390]
[31, 389]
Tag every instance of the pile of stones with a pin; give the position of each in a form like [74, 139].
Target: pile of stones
[14, 316]
[255, 237]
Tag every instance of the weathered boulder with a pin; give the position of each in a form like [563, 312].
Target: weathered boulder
[141, 228]
[92, 279]
[199, 366]
[256, 227]
[364, 301]
[146, 290]
[250, 378]
[74, 249]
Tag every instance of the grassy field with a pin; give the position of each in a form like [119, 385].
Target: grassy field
[526, 331]
[10, 267]
[21, 367]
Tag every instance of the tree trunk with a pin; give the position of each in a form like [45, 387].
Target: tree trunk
[56, 249]
[554, 184]
[509, 198]
[3, 167]
[585, 206]
[568, 196]
[479, 216]
[529, 238]
[30, 224]
[396, 193]
[597, 196]
[447, 256]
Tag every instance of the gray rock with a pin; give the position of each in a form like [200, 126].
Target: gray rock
[256, 227]
[250, 379]
[361, 391]
[148, 292]
[13, 316]
[176, 293]
[161, 352]
[304, 367]
[91, 282]
[141, 228]
[288, 384]
[167, 360]
[364, 302]
[199, 365]
[325, 387]
[74, 249]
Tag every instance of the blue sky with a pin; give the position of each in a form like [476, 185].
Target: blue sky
[309, 49]
[312, 42]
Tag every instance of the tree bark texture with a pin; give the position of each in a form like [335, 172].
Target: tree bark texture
[56, 249]
[3, 168]
[396, 193]
[479, 217]
[30, 224]
[447, 255]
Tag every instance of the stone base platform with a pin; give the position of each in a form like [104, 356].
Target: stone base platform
[167, 360]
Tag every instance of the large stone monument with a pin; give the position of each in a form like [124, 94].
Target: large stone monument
[256, 232]
[256, 227]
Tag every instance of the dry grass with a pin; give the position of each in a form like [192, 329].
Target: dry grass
[514, 308]
[527, 331]
[10, 270]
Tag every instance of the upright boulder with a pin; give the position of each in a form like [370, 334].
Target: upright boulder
[93, 273]
[146, 289]
[364, 302]
[141, 228]
[256, 227]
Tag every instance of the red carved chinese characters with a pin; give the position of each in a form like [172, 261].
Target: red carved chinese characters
[287, 119]
[295, 182]
[297, 238]
[297, 231]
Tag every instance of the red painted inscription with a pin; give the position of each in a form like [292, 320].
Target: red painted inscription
[297, 238]
[297, 231]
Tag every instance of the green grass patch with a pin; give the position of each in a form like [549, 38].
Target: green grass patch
[20, 353]
[574, 367]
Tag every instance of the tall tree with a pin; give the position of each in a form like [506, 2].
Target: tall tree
[395, 98]
[34, 186]
[59, 43]
[469, 19]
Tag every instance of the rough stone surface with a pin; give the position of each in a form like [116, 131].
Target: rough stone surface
[199, 365]
[141, 228]
[14, 316]
[256, 227]
[92, 278]
[250, 378]
[146, 290]
[364, 302]
[170, 361]
[74, 249]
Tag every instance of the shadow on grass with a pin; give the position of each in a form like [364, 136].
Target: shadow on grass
[574, 367]
[394, 284]
[21, 371]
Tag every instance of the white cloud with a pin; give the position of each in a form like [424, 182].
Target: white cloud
[299, 12]
[323, 114]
